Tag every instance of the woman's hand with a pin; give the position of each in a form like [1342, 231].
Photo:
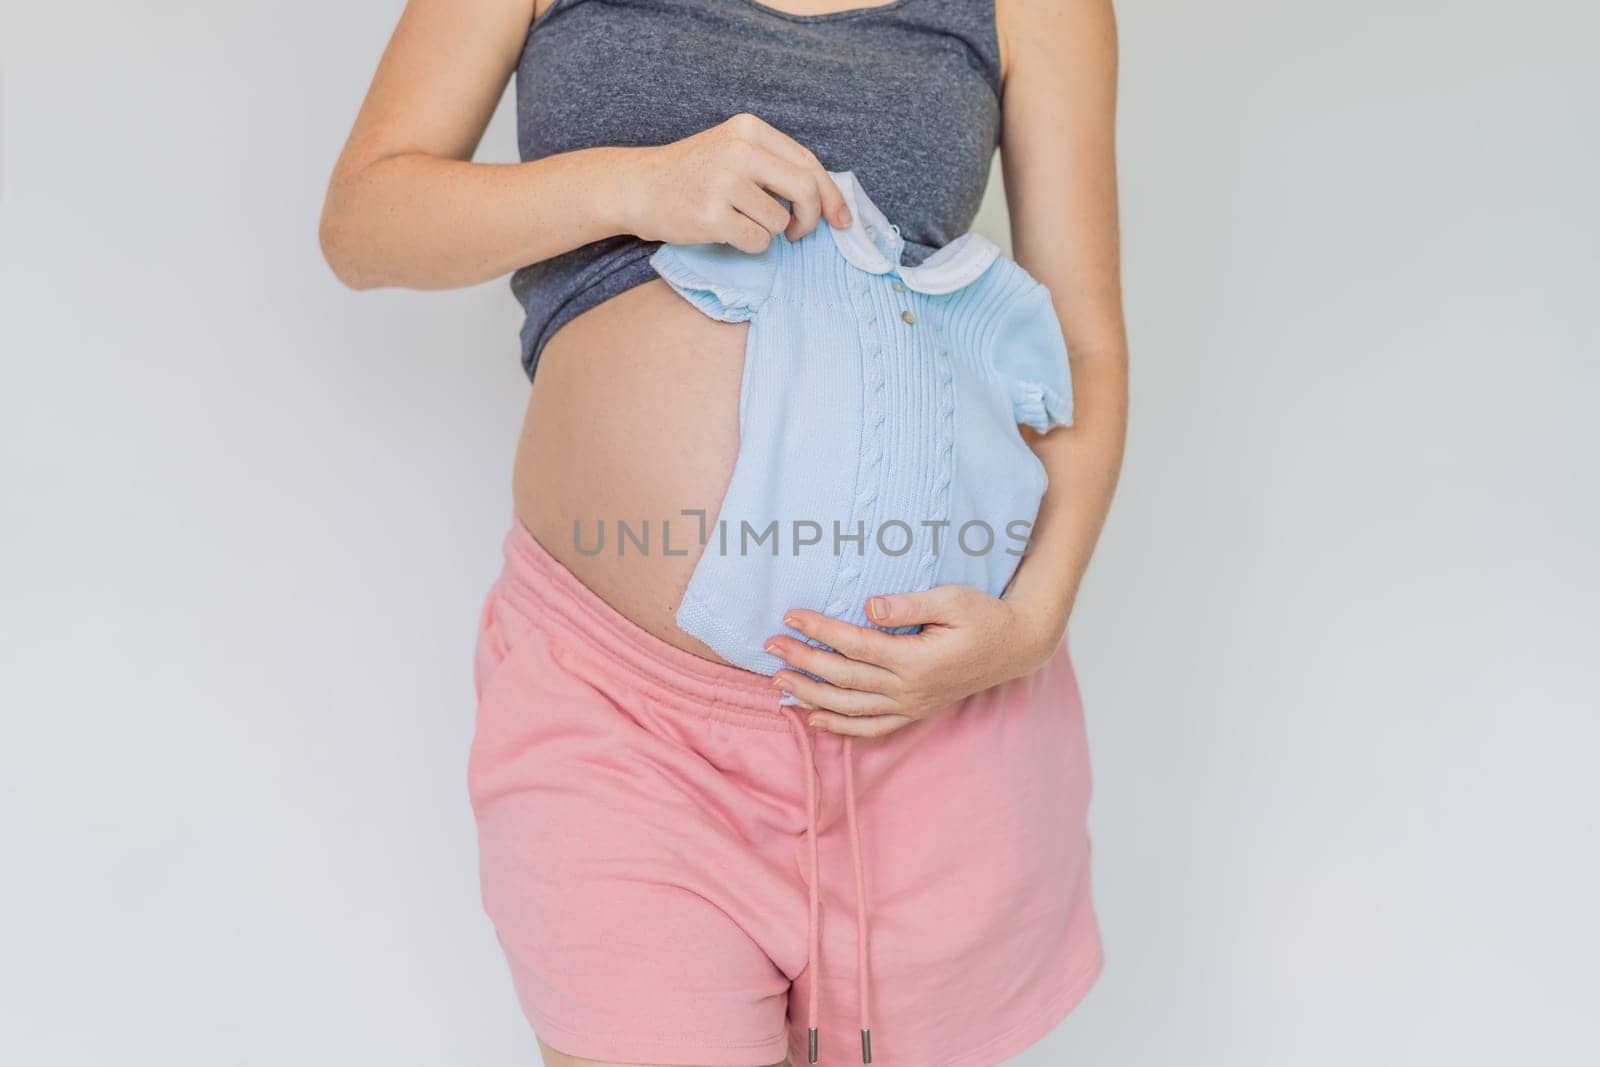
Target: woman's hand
[876, 683]
[723, 185]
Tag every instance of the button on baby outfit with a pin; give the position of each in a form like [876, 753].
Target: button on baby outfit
[879, 450]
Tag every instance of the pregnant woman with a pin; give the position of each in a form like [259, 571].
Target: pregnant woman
[686, 861]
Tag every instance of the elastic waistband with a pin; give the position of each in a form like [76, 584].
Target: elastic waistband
[569, 612]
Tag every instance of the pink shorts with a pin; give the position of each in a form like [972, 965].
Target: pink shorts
[674, 869]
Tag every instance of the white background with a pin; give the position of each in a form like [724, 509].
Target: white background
[1338, 646]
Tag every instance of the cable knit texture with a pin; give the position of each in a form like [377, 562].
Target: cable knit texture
[879, 450]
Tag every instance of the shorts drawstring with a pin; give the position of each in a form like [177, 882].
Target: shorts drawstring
[863, 949]
[814, 954]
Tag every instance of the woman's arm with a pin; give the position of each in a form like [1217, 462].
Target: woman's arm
[1059, 157]
[406, 206]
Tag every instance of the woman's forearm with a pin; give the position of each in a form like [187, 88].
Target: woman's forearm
[426, 222]
[1084, 462]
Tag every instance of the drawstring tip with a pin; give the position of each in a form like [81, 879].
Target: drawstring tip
[866, 1046]
[811, 1045]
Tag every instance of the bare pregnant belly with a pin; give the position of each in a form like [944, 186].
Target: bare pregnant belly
[632, 421]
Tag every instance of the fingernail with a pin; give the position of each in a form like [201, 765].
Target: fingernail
[773, 647]
[777, 682]
[792, 621]
[877, 607]
[814, 720]
[844, 216]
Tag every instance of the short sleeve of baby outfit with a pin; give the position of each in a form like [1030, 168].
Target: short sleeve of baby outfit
[720, 280]
[1029, 358]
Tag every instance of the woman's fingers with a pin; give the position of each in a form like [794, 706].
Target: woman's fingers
[819, 195]
[858, 726]
[796, 185]
[831, 697]
[690, 190]
[832, 667]
[757, 205]
[744, 233]
[834, 208]
[861, 643]
[941, 604]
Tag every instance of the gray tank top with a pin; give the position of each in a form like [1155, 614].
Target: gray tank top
[906, 95]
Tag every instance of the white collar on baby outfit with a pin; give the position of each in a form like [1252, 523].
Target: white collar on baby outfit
[872, 243]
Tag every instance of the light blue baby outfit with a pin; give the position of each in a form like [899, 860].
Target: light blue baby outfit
[879, 450]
